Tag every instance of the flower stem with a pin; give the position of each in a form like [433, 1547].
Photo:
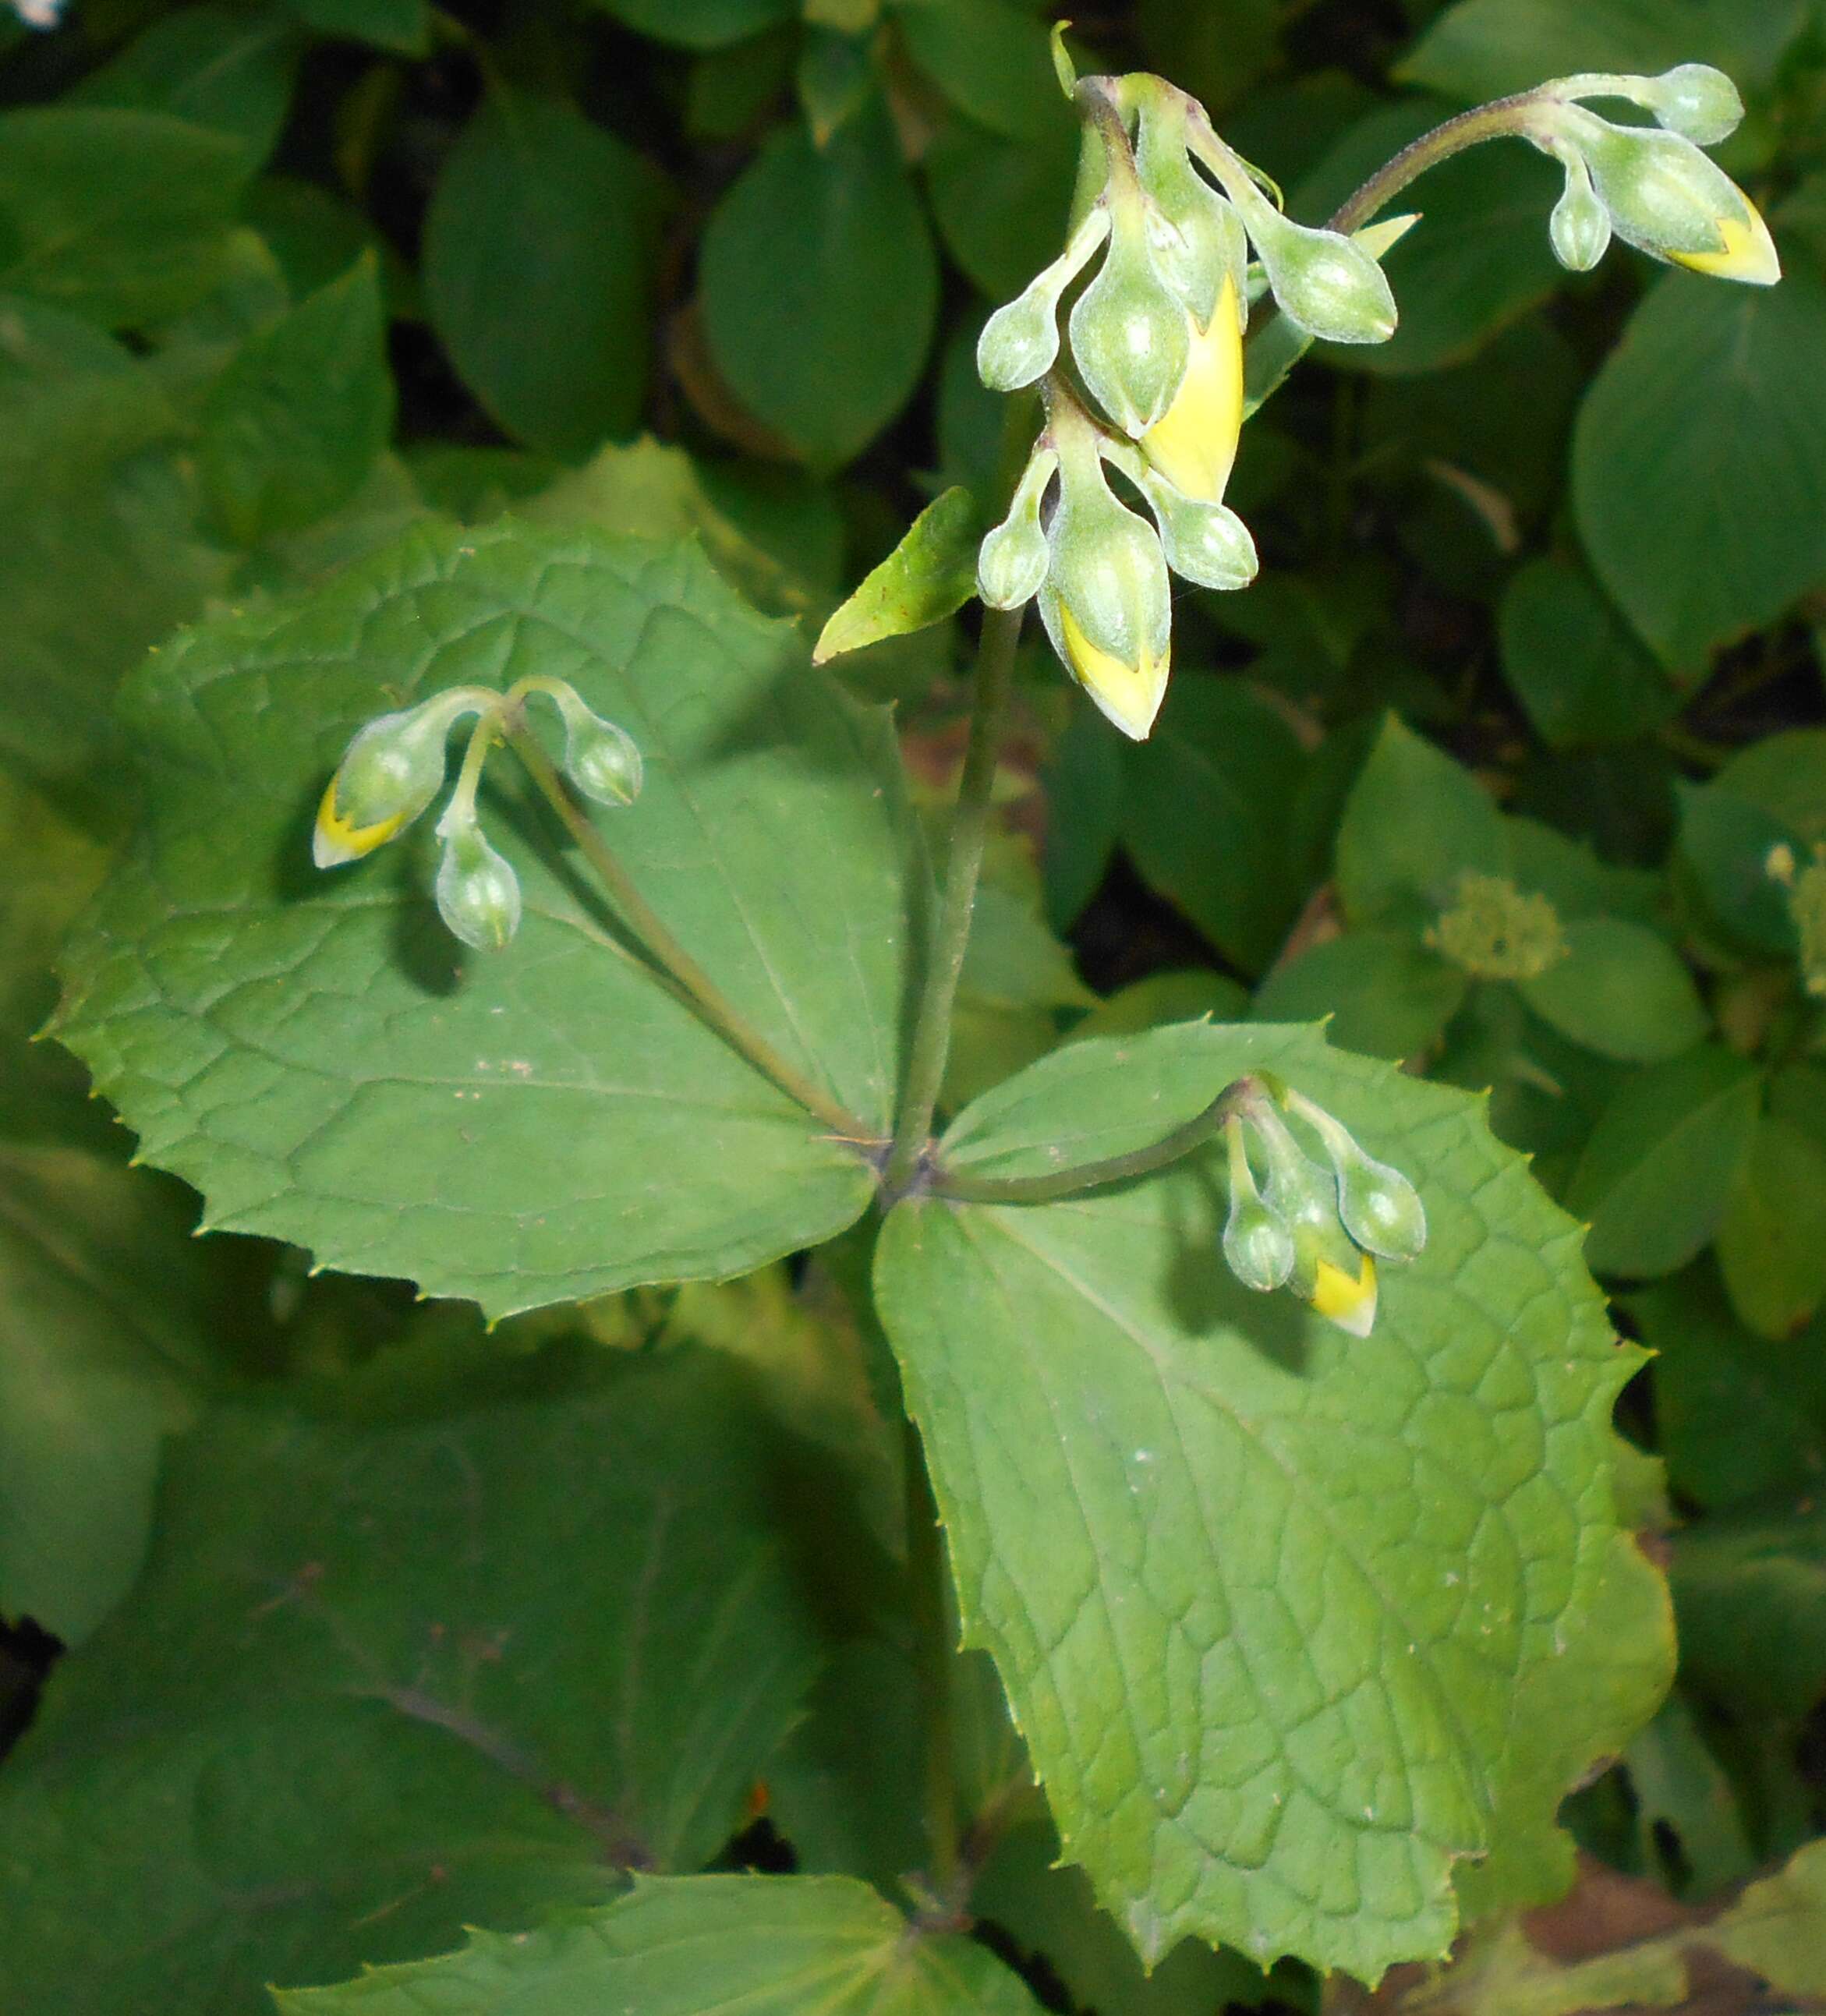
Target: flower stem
[929, 1578]
[689, 980]
[1501, 117]
[1239, 1094]
[963, 861]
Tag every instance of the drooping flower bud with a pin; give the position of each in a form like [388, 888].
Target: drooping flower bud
[478, 894]
[1325, 283]
[1205, 543]
[1131, 334]
[1668, 200]
[1380, 1208]
[1580, 226]
[1258, 1247]
[1329, 1271]
[1198, 238]
[1106, 602]
[1012, 560]
[600, 759]
[1698, 103]
[389, 772]
[1194, 444]
[1020, 342]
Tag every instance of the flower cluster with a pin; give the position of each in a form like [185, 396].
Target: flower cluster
[1651, 185]
[396, 766]
[1168, 213]
[1319, 1233]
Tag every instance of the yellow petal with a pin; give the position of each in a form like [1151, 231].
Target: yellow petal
[1747, 254]
[1351, 1304]
[1130, 695]
[336, 841]
[1194, 443]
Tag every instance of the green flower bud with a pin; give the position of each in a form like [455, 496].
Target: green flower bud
[1258, 1247]
[1380, 1208]
[1106, 602]
[478, 895]
[1198, 241]
[600, 759]
[1697, 101]
[1205, 543]
[1131, 334]
[1019, 343]
[389, 774]
[1013, 558]
[1669, 200]
[1580, 226]
[1325, 283]
[1338, 1281]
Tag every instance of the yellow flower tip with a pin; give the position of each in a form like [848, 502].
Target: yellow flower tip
[1350, 1303]
[335, 841]
[1747, 252]
[1130, 695]
[1194, 444]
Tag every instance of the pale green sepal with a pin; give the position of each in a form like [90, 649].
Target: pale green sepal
[1199, 237]
[1020, 342]
[1131, 334]
[1380, 1208]
[1014, 555]
[478, 894]
[929, 576]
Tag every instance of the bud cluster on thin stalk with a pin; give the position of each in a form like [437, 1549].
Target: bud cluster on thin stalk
[1152, 291]
[1652, 186]
[1315, 1230]
[1147, 381]
[396, 766]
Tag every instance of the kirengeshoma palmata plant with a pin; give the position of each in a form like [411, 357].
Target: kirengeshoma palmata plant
[1226, 1355]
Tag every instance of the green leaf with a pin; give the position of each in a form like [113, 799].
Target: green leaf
[230, 72]
[1257, 1593]
[538, 254]
[1777, 1928]
[1206, 813]
[95, 1373]
[1579, 672]
[102, 556]
[693, 1945]
[1772, 1239]
[314, 235]
[820, 287]
[1750, 1591]
[402, 26]
[1194, 995]
[1657, 1172]
[1621, 990]
[1386, 995]
[294, 424]
[1727, 842]
[652, 490]
[1481, 49]
[1699, 461]
[121, 217]
[991, 59]
[1001, 205]
[274, 1035]
[1785, 775]
[1414, 823]
[929, 576]
[1736, 1416]
[1479, 260]
[700, 24]
[381, 1683]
